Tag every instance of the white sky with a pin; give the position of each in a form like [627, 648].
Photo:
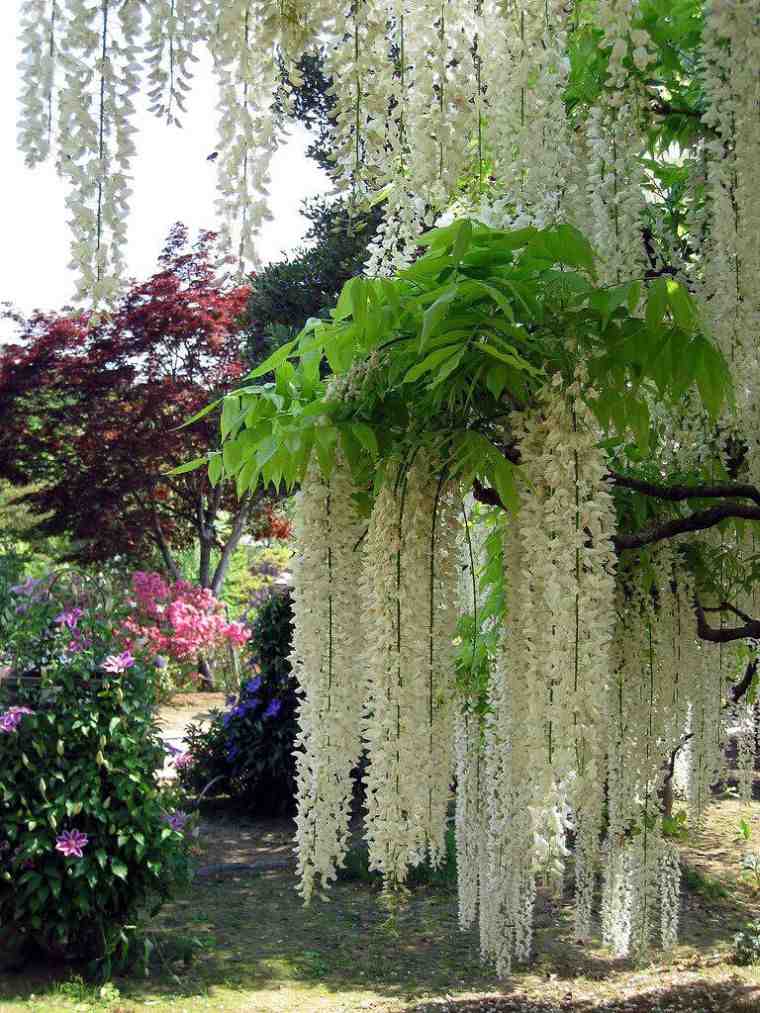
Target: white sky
[172, 182]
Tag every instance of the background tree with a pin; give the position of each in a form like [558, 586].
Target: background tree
[91, 410]
[286, 293]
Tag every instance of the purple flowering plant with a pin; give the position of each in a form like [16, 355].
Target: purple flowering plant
[249, 745]
[84, 847]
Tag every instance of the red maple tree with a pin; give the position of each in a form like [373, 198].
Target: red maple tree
[90, 409]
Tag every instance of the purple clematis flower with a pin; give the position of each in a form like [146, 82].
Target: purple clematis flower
[69, 618]
[11, 719]
[252, 685]
[118, 663]
[177, 820]
[28, 587]
[71, 842]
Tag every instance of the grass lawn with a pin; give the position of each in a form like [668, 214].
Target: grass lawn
[242, 941]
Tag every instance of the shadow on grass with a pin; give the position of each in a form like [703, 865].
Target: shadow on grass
[695, 997]
[242, 937]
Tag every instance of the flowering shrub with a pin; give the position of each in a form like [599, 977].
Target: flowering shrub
[179, 620]
[85, 843]
[249, 746]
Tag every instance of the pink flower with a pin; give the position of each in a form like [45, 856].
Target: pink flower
[179, 621]
[183, 760]
[118, 663]
[71, 842]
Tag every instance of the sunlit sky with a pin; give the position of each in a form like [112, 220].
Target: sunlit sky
[173, 181]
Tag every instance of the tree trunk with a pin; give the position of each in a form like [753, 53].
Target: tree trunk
[206, 673]
[204, 567]
[238, 530]
[163, 546]
[667, 798]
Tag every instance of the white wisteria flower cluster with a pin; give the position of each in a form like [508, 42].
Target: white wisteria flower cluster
[425, 93]
[375, 616]
[327, 641]
[599, 700]
[410, 588]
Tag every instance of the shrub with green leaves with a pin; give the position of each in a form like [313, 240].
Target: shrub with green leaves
[247, 751]
[747, 945]
[87, 842]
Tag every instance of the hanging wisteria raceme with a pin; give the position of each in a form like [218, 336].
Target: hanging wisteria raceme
[730, 299]
[243, 46]
[522, 51]
[515, 776]
[174, 29]
[470, 811]
[327, 644]
[95, 135]
[667, 726]
[614, 138]
[410, 586]
[545, 729]
[634, 846]
[39, 36]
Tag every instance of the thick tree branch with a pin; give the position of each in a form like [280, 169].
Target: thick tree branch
[662, 108]
[725, 634]
[742, 688]
[700, 520]
[679, 493]
[489, 497]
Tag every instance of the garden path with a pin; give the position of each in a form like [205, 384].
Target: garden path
[182, 710]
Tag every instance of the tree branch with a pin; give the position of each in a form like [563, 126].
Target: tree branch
[678, 493]
[163, 545]
[724, 634]
[238, 529]
[698, 521]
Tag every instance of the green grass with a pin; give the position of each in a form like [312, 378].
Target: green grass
[244, 943]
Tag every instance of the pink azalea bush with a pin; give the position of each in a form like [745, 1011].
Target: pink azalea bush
[179, 620]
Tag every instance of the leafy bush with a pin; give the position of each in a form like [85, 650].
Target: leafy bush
[248, 749]
[747, 944]
[86, 840]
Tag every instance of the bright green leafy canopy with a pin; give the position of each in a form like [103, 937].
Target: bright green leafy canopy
[440, 356]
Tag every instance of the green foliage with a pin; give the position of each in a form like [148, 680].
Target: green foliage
[439, 355]
[751, 866]
[247, 751]
[85, 760]
[675, 826]
[697, 882]
[745, 829]
[286, 294]
[252, 573]
[747, 945]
